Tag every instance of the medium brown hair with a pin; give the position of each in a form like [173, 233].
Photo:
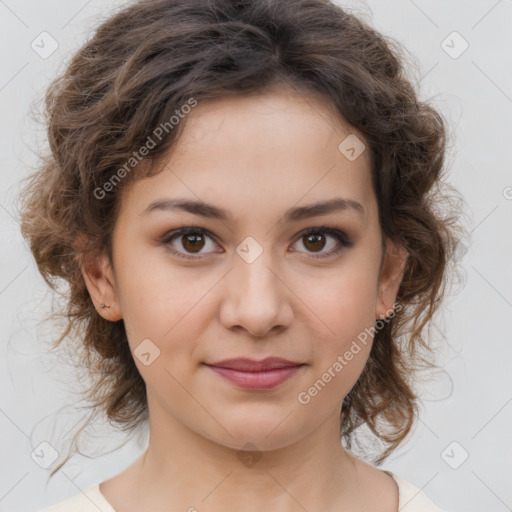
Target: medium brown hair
[141, 66]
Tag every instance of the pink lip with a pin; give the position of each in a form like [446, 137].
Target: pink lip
[265, 379]
[251, 365]
[252, 374]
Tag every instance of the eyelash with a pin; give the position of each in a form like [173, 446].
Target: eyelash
[343, 240]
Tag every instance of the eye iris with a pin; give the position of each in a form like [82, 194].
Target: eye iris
[315, 237]
[195, 245]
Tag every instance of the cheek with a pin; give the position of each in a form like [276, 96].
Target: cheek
[344, 337]
[170, 310]
[154, 296]
[345, 303]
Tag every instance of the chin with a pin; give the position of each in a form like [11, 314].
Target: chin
[256, 435]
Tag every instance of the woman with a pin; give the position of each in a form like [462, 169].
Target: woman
[239, 194]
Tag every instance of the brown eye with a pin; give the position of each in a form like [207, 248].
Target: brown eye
[193, 242]
[187, 242]
[316, 239]
[314, 242]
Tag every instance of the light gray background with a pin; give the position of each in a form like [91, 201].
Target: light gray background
[473, 92]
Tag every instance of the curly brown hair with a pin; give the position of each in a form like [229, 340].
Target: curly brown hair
[143, 64]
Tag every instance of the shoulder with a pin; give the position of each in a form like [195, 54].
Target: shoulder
[386, 484]
[412, 499]
[88, 500]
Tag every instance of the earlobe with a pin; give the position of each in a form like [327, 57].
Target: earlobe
[391, 275]
[100, 282]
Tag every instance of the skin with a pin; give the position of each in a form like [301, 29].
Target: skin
[256, 156]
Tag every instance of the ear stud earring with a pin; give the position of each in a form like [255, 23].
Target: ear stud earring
[104, 306]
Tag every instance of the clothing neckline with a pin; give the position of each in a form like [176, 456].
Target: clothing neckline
[405, 492]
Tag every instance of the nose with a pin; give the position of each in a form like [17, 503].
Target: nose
[257, 297]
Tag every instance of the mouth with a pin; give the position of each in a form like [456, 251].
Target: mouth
[258, 375]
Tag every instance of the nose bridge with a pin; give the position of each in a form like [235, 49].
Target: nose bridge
[256, 298]
[255, 268]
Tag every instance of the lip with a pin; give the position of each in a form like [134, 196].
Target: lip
[251, 374]
[244, 364]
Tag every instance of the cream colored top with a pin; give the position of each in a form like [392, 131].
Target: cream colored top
[411, 499]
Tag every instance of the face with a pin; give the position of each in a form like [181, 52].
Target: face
[248, 280]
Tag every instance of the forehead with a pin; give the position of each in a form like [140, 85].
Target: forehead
[259, 154]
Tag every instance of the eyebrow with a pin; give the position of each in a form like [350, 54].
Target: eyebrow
[292, 215]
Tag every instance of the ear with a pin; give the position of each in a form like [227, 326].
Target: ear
[390, 277]
[100, 281]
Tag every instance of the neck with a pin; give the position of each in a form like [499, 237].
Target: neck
[315, 473]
